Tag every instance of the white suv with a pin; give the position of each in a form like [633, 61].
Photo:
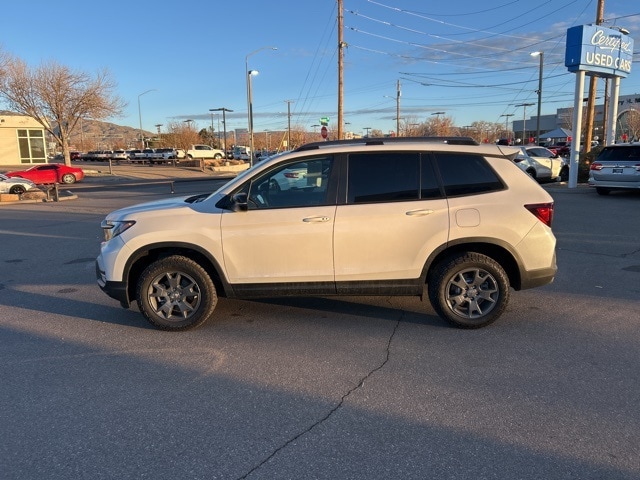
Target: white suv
[447, 217]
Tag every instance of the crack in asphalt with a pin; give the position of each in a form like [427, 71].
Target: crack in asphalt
[618, 255]
[334, 409]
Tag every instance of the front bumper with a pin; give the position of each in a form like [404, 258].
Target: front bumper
[116, 290]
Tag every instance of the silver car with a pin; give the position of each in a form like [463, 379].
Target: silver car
[16, 186]
[617, 167]
[542, 164]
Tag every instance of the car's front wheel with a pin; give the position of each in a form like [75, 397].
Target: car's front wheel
[469, 290]
[175, 293]
[17, 190]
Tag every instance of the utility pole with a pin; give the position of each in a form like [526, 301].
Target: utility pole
[341, 47]
[399, 93]
[289, 102]
[592, 93]
[224, 110]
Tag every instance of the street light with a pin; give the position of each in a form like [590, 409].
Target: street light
[367, 129]
[224, 123]
[250, 74]
[158, 125]
[506, 123]
[541, 55]
[524, 118]
[249, 100]
[140, 116]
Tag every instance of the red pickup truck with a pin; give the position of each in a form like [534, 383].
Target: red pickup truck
[562, 149]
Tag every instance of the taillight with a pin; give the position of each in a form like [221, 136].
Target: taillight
[595, 166]
[542, 211]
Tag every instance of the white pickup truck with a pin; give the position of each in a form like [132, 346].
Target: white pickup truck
[204, 151]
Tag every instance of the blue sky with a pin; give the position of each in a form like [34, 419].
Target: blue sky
[466, 58]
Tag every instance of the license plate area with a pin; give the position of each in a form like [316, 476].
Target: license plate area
[617, 170]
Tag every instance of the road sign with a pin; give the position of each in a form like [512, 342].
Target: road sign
[323, 132]
[324, 121]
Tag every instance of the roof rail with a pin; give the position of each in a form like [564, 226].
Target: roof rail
[387, 141]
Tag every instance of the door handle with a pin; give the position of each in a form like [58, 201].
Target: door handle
[419, 213]
[316, 219]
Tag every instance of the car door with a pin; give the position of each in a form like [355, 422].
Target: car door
[45, 174]
[544, 161]
[286, 235]
[393, 217]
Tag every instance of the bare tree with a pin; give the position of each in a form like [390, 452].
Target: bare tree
[182, 135]
[57, 97]
[633, 124]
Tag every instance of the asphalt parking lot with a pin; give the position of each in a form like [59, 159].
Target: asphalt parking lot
[331, 387]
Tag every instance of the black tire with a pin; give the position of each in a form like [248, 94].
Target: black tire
[17, 190]
[68, 178]
[564, 174]
[469, 290]
[175, 293]
[603, 191]
[217, 156]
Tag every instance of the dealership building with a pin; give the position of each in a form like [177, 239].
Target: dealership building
[627, 105]
[22, 140]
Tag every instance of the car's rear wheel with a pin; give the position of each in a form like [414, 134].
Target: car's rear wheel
[564, 174]
[175, 293]
[469, 290]
[68, 178]
[17, 190]
[603, 191]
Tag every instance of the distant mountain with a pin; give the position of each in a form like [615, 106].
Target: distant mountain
[94, 134]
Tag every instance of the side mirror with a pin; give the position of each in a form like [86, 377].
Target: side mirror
[239, 202]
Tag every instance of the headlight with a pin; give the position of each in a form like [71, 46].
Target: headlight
[112, 228]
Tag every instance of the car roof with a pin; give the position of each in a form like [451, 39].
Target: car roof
[443, 144]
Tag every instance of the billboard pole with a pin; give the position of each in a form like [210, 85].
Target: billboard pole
[593, 82]
[577, 127]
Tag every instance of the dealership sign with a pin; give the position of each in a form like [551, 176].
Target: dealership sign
[599, 51]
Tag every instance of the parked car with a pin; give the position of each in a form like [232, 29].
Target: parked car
[17, 186]
[166, 154]
[561, 148]
[49, 173]
[292, 177]
[150, 155]
[136, 156]
[542, 164]
[205, 152]
[449, 218]
[75, 155]
[616, 167]
[120, 156]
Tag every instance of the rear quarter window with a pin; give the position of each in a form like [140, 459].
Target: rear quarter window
[466, 174]
[631, 152]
